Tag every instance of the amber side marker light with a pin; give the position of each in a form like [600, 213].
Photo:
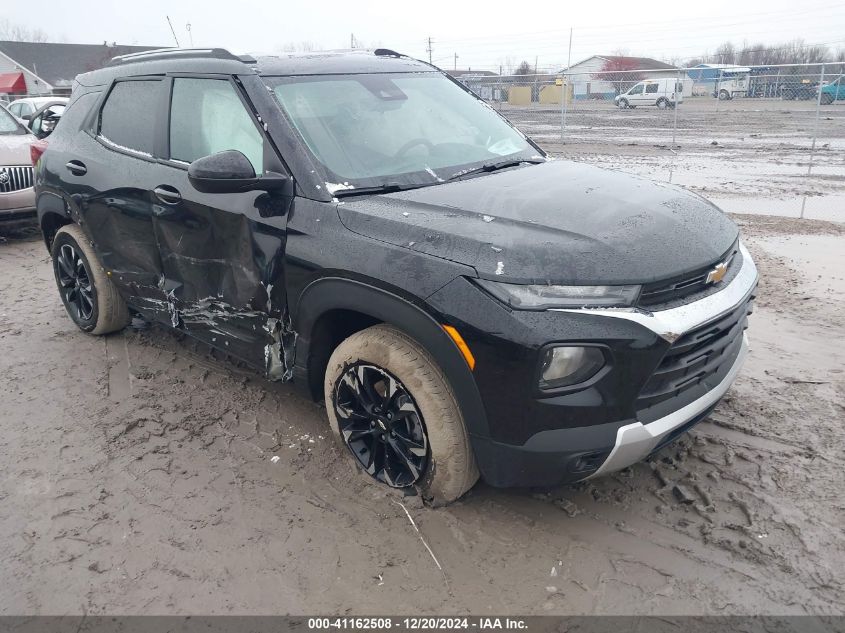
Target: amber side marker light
[462, 345]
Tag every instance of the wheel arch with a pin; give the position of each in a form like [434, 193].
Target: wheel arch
[52, 215]
[331, 309]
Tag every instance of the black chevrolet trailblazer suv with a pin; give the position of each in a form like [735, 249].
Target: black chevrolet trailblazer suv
[365, 226]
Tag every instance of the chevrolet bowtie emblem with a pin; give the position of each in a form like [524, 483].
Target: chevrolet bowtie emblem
[717, 274]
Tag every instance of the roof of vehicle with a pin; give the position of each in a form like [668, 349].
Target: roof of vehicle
[340, 62]
[218, 60]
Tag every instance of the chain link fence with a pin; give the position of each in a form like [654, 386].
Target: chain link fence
[767, 140]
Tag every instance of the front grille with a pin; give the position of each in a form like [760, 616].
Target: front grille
[15, 178]
[667, 291]
[696, 356]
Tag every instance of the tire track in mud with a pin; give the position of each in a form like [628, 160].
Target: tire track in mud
[164, 498]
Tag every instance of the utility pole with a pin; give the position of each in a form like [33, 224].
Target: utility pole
[564, 89]
[352, 40]
[429, 49]
[456, 62]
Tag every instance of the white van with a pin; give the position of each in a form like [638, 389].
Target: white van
[663, 93]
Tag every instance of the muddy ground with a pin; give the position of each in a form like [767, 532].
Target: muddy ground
[746, 155]
[138, 476]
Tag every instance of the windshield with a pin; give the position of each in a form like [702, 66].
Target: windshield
[373, 129]
[8, 123]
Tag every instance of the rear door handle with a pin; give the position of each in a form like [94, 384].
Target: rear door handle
[77, 168]
[168, 195]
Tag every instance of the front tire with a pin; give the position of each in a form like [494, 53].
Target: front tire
[89, 296]
[826, 99]
[724, 95]
[392, 407]
[623, 104]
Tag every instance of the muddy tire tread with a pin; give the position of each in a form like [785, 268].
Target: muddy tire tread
[455, 472]
[112, 313]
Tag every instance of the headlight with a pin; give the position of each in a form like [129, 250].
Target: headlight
[568, 365]
[542, 297]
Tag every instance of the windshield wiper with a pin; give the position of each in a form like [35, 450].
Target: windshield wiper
[488, 167]
[391, 187]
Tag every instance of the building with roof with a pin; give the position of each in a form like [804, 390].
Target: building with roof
[43, 68]
[605, 76]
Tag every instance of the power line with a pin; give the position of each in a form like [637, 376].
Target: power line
[696, 50]
[718, 22]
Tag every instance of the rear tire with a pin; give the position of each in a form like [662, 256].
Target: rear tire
[662, 103]
[89, 296]
[386, 367]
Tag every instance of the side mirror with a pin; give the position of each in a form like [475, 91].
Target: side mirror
[231, 172]
[43, 121]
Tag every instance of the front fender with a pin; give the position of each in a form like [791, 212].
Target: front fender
[335, 293]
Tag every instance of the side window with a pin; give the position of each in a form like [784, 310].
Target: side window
[650, 88]
[207, 116]
[636, 90]
[128, 117]
[77, 110]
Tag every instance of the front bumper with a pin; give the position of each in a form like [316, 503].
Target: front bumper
[20, 199]
[637, 441]
[15, 218]
[602, 428]
[17, 208]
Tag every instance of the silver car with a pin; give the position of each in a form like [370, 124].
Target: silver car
[17, 198]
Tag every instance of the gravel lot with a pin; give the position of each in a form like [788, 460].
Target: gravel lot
[746, 155]
[137, 477]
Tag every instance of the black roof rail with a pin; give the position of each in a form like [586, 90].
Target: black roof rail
[386, 52]
[179, 53]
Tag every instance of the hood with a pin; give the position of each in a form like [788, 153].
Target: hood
[14, 149]
[556, 222]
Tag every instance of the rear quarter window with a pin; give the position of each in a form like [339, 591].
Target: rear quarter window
[76, 112]
[128, 117]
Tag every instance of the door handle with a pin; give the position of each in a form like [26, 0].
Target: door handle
[77, 168]
[168, 195]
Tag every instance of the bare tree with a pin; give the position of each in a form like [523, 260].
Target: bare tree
[524, 68]
[17, 33]
[759, 54]
[507, 65]
[299, 47]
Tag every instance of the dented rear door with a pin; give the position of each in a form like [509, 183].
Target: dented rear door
[108, 174]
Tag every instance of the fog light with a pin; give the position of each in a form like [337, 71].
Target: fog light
[569, 365]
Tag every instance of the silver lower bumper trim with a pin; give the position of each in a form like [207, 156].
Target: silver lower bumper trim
[635, 441]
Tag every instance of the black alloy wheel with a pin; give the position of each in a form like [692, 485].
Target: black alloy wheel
[75, 282]
[380, 423]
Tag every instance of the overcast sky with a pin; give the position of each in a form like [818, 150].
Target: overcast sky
[483, 34]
